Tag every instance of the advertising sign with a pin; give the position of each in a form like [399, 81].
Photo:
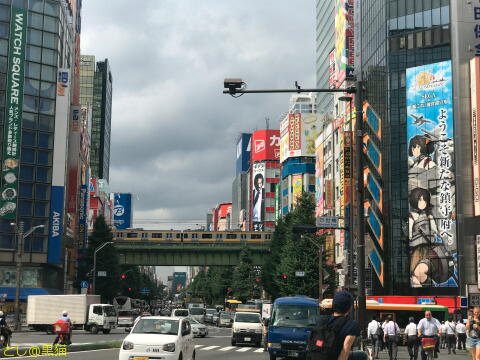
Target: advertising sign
[13, 113]
[294, 135]
[297, 184]
[265, 145]
[319, 180]
[243, 153]
[329, 186]
[377, 264]
[475, 93]
[56, 225]
[122, 211]
[258, 196]
[344, 41]
[82, 217]
[372, 119]
[478, 259]
[331, 70]
[298, 134]
[179, 282]
[93, 187]
[431, 178]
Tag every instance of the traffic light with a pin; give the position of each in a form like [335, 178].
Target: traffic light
[129, 289]
[282, 277]
[123, 276]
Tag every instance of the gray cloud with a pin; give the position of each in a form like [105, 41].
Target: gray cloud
[173, 131]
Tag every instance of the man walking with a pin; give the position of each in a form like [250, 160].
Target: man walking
[412, 339]
[443, 335]
[429, 327]
[391, 331]
[451, 335]
[461, 335]
[374, 332]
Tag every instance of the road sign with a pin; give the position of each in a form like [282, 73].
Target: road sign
[300, 273]
[145, 291]
[328, 222]
[84, 284]
[101, 273]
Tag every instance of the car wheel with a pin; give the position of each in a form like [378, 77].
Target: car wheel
[234, 343]
[94, 329]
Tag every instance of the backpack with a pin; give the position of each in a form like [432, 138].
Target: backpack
[379, 331]
[323, 341]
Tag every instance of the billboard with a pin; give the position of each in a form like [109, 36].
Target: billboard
[319, 180]
[344, 41]
[13, 113]
[243, 153]
[298, 133]
[297, 185]
[265, 145]
[179, 282]
[431, 178]
[56, 225]
[475, 94]
[258, 196]
[122, 211]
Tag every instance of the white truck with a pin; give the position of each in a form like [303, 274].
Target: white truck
[85, 311]
[247, 328]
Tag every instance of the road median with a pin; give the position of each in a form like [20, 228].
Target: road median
[44, 350]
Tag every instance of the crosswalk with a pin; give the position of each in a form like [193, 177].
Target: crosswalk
[228, 348]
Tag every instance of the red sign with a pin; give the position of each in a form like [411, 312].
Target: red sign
[93, 187]
[266, 145]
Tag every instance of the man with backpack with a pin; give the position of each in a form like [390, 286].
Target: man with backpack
[375, 334]
[392, 332]
[333, 336]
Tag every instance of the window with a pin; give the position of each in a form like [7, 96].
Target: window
[48, 73]
[46, 123]
[47, 107]
[48, 90]
[25, 207]
[49, 40]
[206, 236]
[44, 157]
[30, 103]
[32, 70]
[49, 57]
[36, 5]
[231, 236]
[34, 53]
[41, 208]
[132, 235]
[45, 141]
[97, 310]
[50, 24]
[256, 236]
[25, 190]
[26, 173]
[42, 192]
[34, 37]
[35, 20]
[28, 138]
[156, 235]
[44, 174]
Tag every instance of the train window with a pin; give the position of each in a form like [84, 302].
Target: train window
[144, 235]
[206, 236]
[243, 236]
[132, 235]
[169, 235]
[256, 236]
[231, 236]
[178, 235]
[156, 235]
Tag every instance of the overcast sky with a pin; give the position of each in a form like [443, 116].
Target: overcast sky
[173, 131]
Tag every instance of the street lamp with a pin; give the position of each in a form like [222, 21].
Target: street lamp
[94, 270]
[20, 236]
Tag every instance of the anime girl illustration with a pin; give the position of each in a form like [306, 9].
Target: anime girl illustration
[430, 259]
[421, 148]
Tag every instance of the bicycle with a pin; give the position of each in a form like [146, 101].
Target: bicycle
[428, 346]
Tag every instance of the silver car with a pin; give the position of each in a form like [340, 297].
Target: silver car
[198, 329]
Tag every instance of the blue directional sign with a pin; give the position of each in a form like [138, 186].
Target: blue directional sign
[145, 291]
[84, 284]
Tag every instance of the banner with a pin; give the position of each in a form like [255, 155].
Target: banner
[258, 196]
[122, 211]
[265, 145]
[319, 181]
[475, 93]
[344, 41]
[431, 178]
[83, 217]
[297, 184]
[56, 225]
[13, 113]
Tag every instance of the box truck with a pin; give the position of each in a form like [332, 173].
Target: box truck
[86, 312]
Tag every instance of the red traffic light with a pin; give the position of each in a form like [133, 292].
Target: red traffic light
[284, 277]
[129, 289]
[123, 276]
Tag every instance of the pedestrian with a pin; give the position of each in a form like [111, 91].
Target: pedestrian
[473, 333]
[443, 339]
[339, 327]
[451, 335]
[429, 327]
[391, 331]
[384, 345]
[412, 339]
[461, 334]
[375, 333]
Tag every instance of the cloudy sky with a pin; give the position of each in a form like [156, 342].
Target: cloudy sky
[173, 131]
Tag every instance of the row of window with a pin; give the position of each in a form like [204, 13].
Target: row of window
[136, 235]
[421, 39]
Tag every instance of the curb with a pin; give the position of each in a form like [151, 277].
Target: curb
[71, 348]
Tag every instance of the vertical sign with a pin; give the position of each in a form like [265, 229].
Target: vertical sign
[294, 135]
[431, 178]
[13, 113]
[297, 181]
[478, 260]
[475, 92]
[258, 196]
[319, 180]
[344, 41]
[122, 211]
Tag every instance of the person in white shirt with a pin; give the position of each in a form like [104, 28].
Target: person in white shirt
[412, 339]
[429, 327]
[373, 332]
[461, 334]
[451, 335]
[391, 331]
[443, 339]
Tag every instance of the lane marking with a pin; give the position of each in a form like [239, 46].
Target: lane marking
[259, 350]
[227, 348]
[243, 349]
[198, 346]
[210, 347]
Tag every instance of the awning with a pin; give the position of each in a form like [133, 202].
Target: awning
[24, 292]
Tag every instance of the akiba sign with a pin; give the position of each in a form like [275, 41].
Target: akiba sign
[56, 225]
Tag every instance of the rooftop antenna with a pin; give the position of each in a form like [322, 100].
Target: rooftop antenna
[267, 122]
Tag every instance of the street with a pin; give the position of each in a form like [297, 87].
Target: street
[215, 346]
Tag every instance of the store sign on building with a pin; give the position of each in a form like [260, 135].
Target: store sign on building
[478, 260]
[266, 145]
[475, 94]
[431, 177]
[13, 114]
[344, 41]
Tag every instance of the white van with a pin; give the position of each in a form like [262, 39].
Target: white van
[179, 313]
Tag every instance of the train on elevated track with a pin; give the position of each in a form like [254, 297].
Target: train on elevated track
[191, 236]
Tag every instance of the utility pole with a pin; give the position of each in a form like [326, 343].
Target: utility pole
[320, 272]
[18, 275]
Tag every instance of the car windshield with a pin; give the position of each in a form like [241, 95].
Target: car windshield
[192, 320]
[295, 315]
[125, 313]
[181, 312]
[109, 311]
[156, 326]
[247, 318]
[225, 315]
[211, 311]
[197, 311]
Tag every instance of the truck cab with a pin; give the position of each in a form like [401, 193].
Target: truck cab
[290, 324]
[101, 317]
[247, 328]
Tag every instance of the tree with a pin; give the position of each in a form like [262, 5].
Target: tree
[243, 281]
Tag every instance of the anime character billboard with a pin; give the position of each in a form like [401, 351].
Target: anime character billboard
[431, 178]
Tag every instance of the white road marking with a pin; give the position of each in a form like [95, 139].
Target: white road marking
[259, 350]
[227, 348]
[198, 346]
[210, 347]
[243, 349]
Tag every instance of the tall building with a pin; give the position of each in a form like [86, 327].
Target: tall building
[35, 144]
[240, 185]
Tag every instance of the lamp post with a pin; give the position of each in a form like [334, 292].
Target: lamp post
[94, 270]
[20, 237]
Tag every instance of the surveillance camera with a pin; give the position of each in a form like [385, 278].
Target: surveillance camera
[233, 84]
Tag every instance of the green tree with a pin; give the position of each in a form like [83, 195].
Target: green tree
[243, 281]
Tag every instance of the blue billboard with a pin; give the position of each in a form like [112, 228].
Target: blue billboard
[56, 225]
[242, 163]
[122, 211]
[431, 177]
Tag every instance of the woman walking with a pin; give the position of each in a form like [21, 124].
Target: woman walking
[473, 333]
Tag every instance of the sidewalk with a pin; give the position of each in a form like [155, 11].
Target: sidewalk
[403, 354]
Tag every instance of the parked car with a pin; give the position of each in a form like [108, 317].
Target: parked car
[198, 329]
[126, 318]
[209, 315]
[225, 319]
[163, 337]
[180, 313]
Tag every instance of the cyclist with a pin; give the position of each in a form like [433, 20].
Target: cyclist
[429, 327]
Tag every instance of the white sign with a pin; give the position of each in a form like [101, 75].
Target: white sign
[328, 222]
[300, 273]
[101, 273]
